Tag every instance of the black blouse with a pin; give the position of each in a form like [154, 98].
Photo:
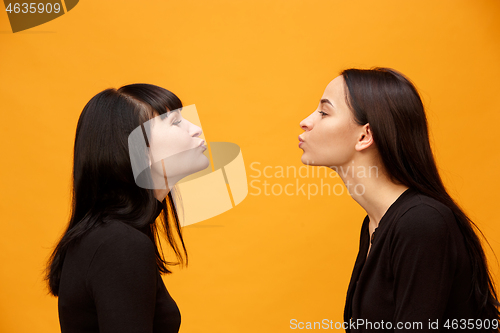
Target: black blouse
[418, 271]
[110, 283]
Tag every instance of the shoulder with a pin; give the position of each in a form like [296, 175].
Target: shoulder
[426, 219]
[116, 231]
[121, 242]
[123, 258]
[425, 235]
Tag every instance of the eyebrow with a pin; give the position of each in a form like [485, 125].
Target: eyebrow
[326, 100]
[168, 113]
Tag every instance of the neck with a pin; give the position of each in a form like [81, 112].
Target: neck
[370, 186]
[163, 187]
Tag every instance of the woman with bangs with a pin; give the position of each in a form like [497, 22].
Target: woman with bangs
[106, 269]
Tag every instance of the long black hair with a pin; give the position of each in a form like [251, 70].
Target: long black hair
[391, 104]
[104, 188]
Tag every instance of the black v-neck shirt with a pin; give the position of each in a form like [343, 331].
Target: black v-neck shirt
[418, 270]
[110, 284]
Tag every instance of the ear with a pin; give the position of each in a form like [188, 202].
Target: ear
[365, 138]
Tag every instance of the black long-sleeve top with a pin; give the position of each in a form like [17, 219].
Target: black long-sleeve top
[110, 284]
[418, 270]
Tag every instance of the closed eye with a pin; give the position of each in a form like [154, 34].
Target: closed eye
[322, 113]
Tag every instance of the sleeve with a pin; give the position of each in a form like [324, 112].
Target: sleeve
[424, 259]
[122, 280]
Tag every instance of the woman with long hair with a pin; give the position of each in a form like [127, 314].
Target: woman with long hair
[106, 268]
[421, 265]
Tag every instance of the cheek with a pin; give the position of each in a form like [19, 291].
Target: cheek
[333, 142]
[180, 139]
[172, 141]
[345, 135]
[334, 134]
[161, 144]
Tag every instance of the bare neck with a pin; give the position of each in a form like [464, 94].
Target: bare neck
[373, 191]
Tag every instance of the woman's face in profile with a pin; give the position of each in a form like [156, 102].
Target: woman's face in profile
[330, 131]
[175, 147]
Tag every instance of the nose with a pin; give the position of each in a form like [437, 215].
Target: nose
[194, 130]
[306, 124]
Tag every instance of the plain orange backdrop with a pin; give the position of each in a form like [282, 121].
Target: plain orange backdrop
[254, 69]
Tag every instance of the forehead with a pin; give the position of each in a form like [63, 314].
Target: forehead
[334, 91]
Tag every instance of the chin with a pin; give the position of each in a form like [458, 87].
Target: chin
[199, 164]
[312, 162]
[307, 161]
[204, 162]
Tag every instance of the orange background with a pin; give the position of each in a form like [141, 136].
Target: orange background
[254, 69]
